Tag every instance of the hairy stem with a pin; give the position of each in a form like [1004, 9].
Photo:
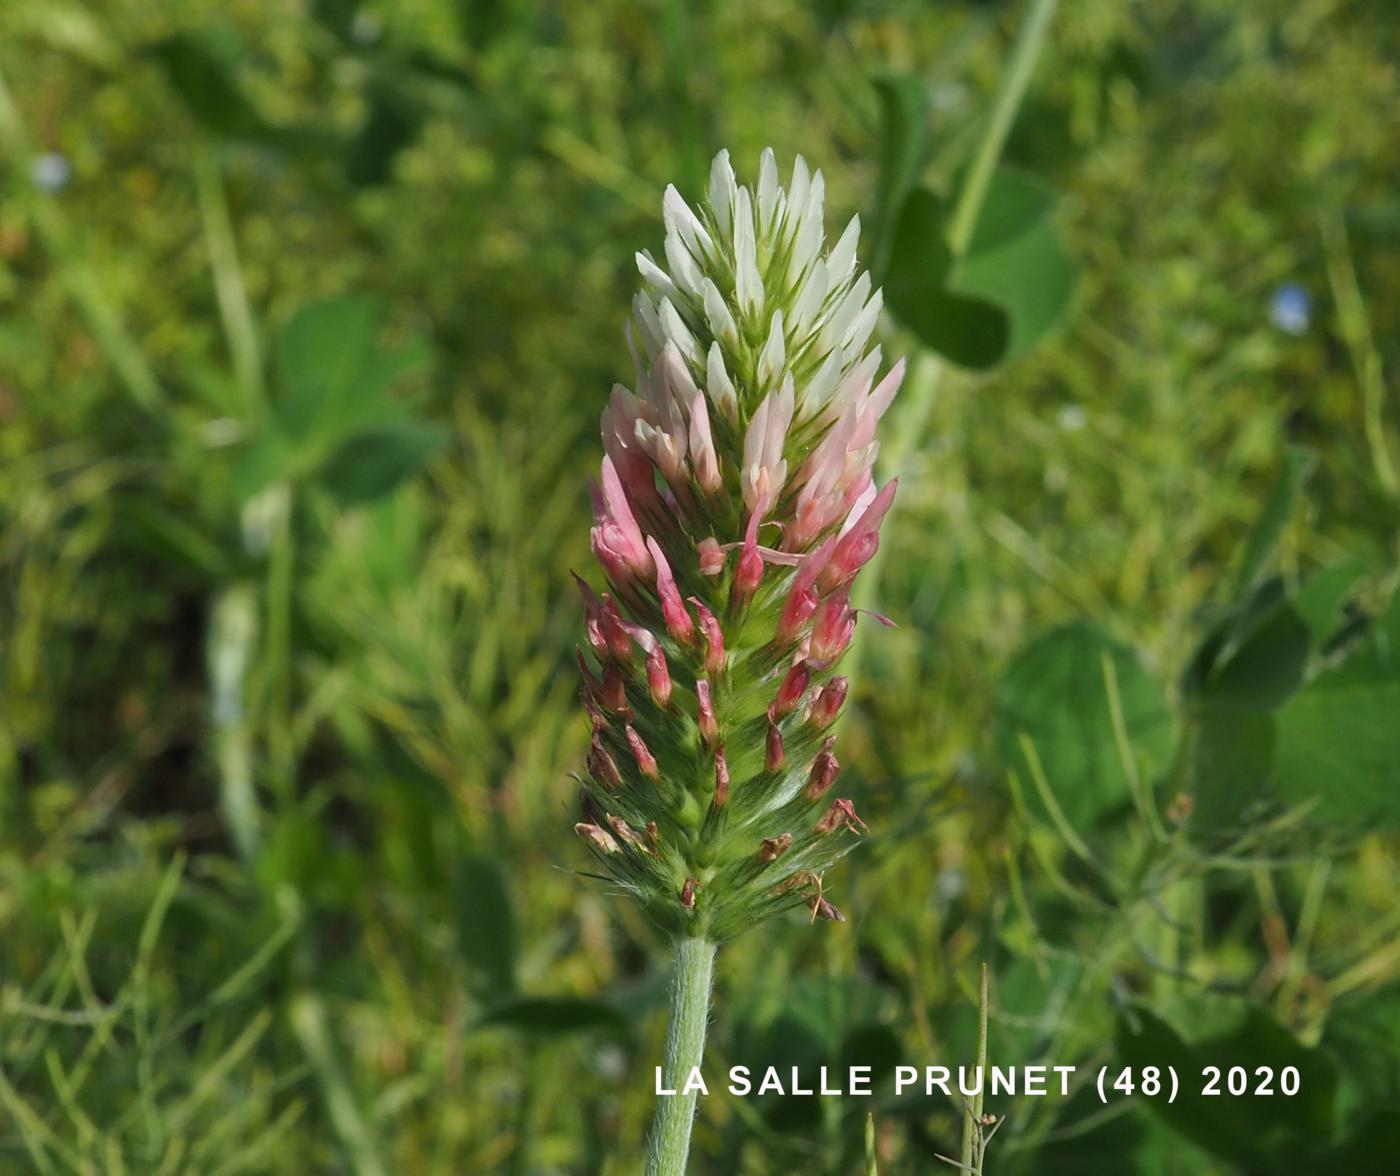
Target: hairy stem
[232, 643]
[685, 1046]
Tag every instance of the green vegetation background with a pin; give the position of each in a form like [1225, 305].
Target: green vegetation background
[287, 882]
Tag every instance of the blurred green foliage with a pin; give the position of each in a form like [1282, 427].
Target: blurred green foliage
[307, 313]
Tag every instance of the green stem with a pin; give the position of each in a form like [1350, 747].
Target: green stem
[239, 326]
[971, 1159]
[1361, 347]
[685, 1047]
[1013, 90]
[234, 624]
[926, 370]
[281, 581]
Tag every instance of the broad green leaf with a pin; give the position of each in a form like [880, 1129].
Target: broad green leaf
[1232, 764]
[968, 331]
[1055, 693]
[332, 373]
[1032, 280]
[903, 135]
[269, 459]
[1282, 503]
[1254, 662]
[1014, 205]
[1254, 600]
[1264, 653]
[1262, 1133]
[1261, 737]
[1321, 602]
[1013, 286]
[318, 359]
[1339, 739]
[1016, 262]
[486, 923]
[371, 464]
[552, 1015]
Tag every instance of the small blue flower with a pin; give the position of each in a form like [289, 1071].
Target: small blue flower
[1072, 418]
[1291, 309]
[51, 172]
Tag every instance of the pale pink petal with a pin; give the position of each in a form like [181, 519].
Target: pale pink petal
[856, 548]
[673, 611]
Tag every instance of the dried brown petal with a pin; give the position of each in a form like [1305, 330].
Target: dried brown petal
[841, 813]
[774, 847]
[597, 837]
[625, 831]
[821, 909]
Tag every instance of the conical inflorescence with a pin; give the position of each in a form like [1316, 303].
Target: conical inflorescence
[735, 506]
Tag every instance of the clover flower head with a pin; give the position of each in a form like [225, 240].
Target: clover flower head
[735, 505]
